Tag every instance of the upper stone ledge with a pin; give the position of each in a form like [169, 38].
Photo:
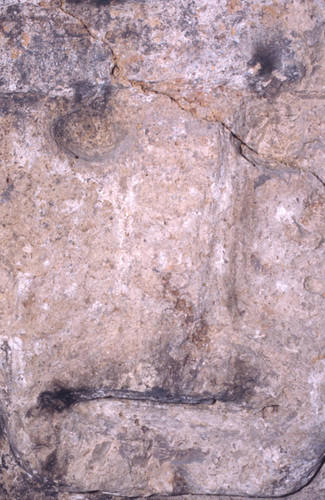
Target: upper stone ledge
[260, 49]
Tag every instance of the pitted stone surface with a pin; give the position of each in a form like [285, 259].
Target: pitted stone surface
[162, 276]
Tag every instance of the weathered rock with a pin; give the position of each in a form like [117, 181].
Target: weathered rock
[162, 275]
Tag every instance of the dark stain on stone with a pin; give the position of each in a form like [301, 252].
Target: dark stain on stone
[6, 193]
[233, 393]
[50, 463]
[2, 427]
[189, 456]
[232, 302]
[283, 474]
[88, 133]
[158, 393]
[89, 130]
[83, 90]
[161, 448]
[102, 100]
[13, 10]
[185, 306]
[96, 96]
[195, 324]
[243, 380]
[59, 399]
[295, 72]
[262, 179]
[256, 262]
[171, 373]
[165, 452]
[12, 15]
[18, 103]
[3, 463]
[179, 482]
[199, 336]
[188, 22]
[135, 448]
[130, 33]
[267, 57]
[274, 66]
[25, 488]
[26, 99]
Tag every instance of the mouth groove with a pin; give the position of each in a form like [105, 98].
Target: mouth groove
[63, 398]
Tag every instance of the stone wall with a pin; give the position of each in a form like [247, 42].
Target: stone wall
[162, 272]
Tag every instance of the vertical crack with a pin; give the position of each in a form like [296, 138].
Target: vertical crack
[115, 66]
[80, 21]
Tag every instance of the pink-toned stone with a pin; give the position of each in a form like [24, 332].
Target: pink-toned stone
[162, 275]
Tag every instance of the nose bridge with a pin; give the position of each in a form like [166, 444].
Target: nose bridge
[174, 235]
[165, 217]
[184, 262]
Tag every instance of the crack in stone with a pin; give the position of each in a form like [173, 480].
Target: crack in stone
[17, 456]
[80, 21]
[317, 177]
[244, 149]
[252, 156]
[258, 159]
[62, 8]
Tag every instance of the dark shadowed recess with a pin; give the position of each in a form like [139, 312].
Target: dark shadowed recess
[2, 427]
[268, 56]
[273, 55]
[239, 392]
[63, 398]
[18, 103]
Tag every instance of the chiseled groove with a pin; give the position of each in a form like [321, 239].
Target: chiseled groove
[63, 398]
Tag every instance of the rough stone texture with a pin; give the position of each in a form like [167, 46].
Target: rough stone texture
[162, 275]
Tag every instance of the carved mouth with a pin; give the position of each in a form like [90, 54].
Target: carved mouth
[63, 398]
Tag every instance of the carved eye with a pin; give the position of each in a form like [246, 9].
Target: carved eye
[87, 134]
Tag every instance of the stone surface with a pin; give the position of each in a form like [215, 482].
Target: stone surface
[162, 275]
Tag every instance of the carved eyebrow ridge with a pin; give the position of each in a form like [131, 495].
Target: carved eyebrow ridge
[63, 398]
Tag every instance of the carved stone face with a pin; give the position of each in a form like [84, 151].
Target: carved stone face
[162, 274]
